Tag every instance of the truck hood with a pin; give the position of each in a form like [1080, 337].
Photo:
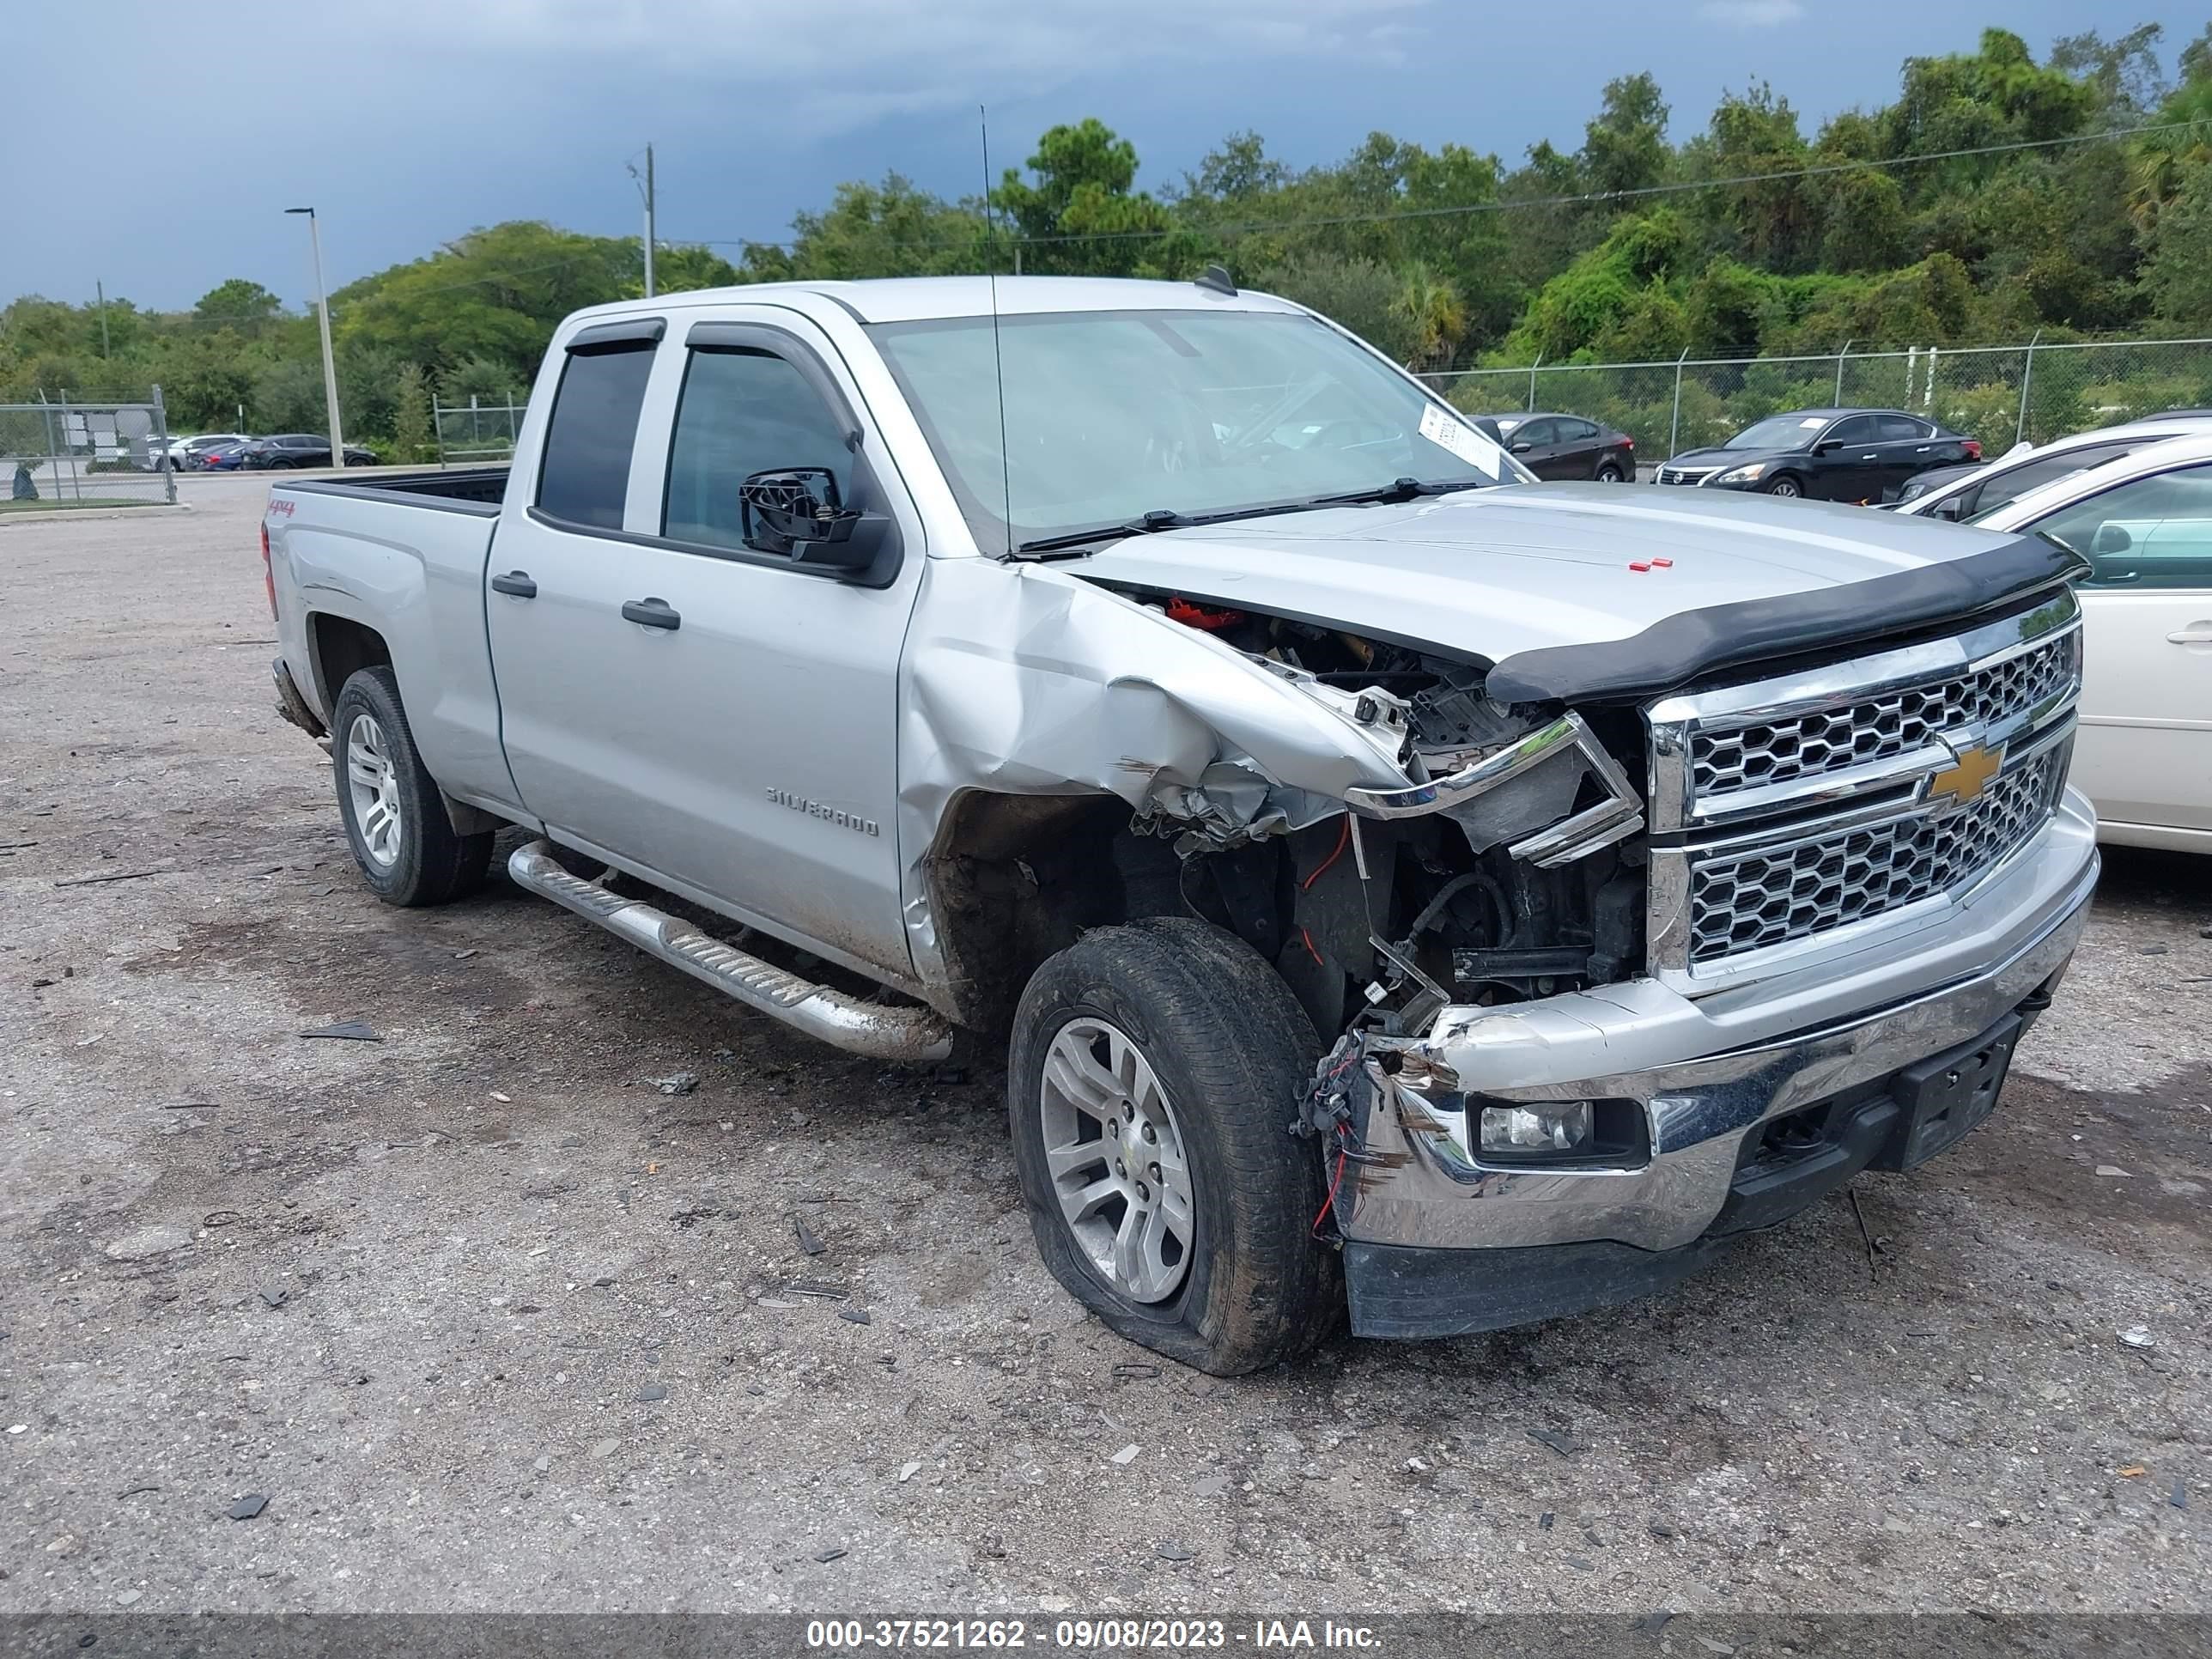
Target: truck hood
[1607, 590]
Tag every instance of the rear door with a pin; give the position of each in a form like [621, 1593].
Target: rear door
[1908, 445]
[2144, 754]
[715, 719]
[1576, 447]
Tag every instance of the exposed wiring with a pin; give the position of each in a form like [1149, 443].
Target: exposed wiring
[1343, 841]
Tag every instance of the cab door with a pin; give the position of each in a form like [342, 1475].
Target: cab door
[1852, 463]
[712, 717]
[2144, 754]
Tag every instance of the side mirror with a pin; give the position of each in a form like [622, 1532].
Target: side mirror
[1521, 448]
[795, 513]
[1826, 446]
[2111, 539]
[1945, 510]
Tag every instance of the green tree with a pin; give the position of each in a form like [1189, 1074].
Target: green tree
[2176, 276]
[412, 438]
[1082, 188]
[238, 305]
[1360, 294]
[1433, 315]
[1625, 147]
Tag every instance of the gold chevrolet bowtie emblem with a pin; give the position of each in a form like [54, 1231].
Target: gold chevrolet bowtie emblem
[1968, 775]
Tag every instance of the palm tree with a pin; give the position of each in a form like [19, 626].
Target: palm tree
[1434, 314]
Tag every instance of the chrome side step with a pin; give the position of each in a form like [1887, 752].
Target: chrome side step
[880, 1030]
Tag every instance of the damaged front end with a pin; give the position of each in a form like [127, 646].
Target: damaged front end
[1358, 810]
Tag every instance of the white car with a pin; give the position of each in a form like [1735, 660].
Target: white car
[2144, 522]
[1982, 489]
[184, 453]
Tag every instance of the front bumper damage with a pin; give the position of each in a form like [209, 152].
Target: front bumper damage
[1438, 1242]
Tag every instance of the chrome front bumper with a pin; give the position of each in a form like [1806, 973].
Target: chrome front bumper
[1705, 1070]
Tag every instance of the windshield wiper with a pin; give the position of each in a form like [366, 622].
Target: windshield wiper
[1399, 489]
[1159, 519]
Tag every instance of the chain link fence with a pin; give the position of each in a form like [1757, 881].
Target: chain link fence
[474, 433]
[2002, 395]
[64, 454]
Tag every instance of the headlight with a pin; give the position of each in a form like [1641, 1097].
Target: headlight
[1743, 474]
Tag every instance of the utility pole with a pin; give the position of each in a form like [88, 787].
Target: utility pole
[323, 315]
[101, 288]
[645, 188]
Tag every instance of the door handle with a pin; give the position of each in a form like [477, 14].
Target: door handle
[652, 612]
[516, 582]
[1869, 458]
[2198, 634]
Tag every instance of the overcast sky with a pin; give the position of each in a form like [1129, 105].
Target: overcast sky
[153, 147]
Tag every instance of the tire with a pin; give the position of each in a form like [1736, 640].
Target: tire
[1786, 484]
[1609, 474]
[1228, 1049]
[408, 854]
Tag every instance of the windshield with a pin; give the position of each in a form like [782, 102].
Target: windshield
[1777, 432]
[1110, 415]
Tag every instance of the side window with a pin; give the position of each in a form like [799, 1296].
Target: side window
[1900, 428]
[2150, 532]
[584, 475]
[1578, 430]
[742, 412]
[2015, 481]
[1536, 433]
[1858, 430]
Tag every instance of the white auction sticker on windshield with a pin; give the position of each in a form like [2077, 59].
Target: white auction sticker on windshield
[1448, 431]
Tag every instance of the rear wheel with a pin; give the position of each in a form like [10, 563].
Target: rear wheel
[395, 820]
[1610, 473]
[1786, 484]
[1153, 1079]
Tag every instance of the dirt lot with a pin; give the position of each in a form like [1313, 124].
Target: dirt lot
[490, 1322]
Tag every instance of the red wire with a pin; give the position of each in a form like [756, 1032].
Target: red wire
[1310, 951]
[1330, 1203]
[1343, 841]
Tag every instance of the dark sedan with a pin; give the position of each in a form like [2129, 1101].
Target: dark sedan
[1829, 454]
[298, 449]
[1564, 446]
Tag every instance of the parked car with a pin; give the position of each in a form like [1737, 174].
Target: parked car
[299, 449]
[225, 457]
[2143, 522]
[1962, 492]
[1861, 455]
[1488, 900]
[1564, 446]
[185, 454]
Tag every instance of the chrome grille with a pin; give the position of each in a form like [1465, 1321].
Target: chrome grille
[1686, 475]
[1751, 900]
[1724, 760]
[1828, 798]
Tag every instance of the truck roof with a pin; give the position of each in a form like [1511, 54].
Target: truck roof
[915, 299]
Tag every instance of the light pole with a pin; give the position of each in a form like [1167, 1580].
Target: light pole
[323, 315]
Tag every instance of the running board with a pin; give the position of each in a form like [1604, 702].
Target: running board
[880, 1030]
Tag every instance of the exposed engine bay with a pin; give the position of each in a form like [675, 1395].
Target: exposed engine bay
[1513, 872]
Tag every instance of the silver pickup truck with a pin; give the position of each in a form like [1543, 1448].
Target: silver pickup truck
[1389, 876]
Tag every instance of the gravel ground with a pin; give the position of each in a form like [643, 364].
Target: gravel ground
[482, 1318]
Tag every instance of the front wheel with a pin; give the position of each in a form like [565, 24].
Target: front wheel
[1153, 1079]
[407, 847]
[1785, 485]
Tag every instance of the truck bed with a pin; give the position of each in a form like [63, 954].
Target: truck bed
[477, 490]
